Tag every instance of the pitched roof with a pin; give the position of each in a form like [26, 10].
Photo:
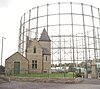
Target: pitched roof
[44, 36]
[15, 54]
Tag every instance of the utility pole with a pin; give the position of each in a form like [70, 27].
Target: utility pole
[2, 50]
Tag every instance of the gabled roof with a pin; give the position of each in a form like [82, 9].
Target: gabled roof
[15, 54]
[44, 36]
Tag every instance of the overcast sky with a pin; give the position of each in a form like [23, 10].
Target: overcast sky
[10, 14]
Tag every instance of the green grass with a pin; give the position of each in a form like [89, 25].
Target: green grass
[46, 75]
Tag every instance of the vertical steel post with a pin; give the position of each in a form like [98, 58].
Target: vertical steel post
[36, 34]
[47, 16]
[64, 48]
[83, 48]
[98, 42]
[98, 31]
[23, 33]
[52, 48]
[94, 72]
[77, 49]
[72, 34]
[85, 40]
[29, 35]
[2, 50]
[94, 37]
[88, 45]
[70, 50]
[59, 36]
[20, 32]
[72, 38]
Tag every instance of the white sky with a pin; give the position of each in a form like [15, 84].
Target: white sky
[10, 14]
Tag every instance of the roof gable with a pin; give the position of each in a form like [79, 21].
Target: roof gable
[16, 53]
[34, 42]
[44, 36]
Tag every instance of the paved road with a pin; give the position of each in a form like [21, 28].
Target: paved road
[91, 81]
[87, 84]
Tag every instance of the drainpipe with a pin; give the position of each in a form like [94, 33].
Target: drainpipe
[28, 66]
[28, 61]
[42, 61]
[27, 44]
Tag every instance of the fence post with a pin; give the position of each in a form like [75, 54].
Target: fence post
[48, 73]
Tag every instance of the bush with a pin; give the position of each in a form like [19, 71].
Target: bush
[78, 75]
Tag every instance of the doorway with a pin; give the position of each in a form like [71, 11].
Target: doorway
[16, 67]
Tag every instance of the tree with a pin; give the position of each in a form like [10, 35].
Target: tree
[2, 69]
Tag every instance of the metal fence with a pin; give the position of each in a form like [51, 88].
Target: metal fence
[50, 73]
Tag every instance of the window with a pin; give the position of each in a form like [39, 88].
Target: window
[34, 64]
[46, 58]
[34, 50]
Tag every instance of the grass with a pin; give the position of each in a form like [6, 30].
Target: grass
[47, 75]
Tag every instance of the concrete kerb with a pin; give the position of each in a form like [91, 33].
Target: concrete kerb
[48, 80]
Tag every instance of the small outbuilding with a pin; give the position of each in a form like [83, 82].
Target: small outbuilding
[16, 64]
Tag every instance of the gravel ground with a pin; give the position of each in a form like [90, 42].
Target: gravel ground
[30, 85]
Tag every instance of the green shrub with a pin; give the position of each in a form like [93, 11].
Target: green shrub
[78, 75]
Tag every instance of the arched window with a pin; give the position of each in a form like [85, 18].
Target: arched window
[34, 49]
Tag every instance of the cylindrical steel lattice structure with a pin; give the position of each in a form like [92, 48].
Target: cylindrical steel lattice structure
[74, 30]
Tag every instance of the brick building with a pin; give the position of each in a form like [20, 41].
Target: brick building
[37, 59]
